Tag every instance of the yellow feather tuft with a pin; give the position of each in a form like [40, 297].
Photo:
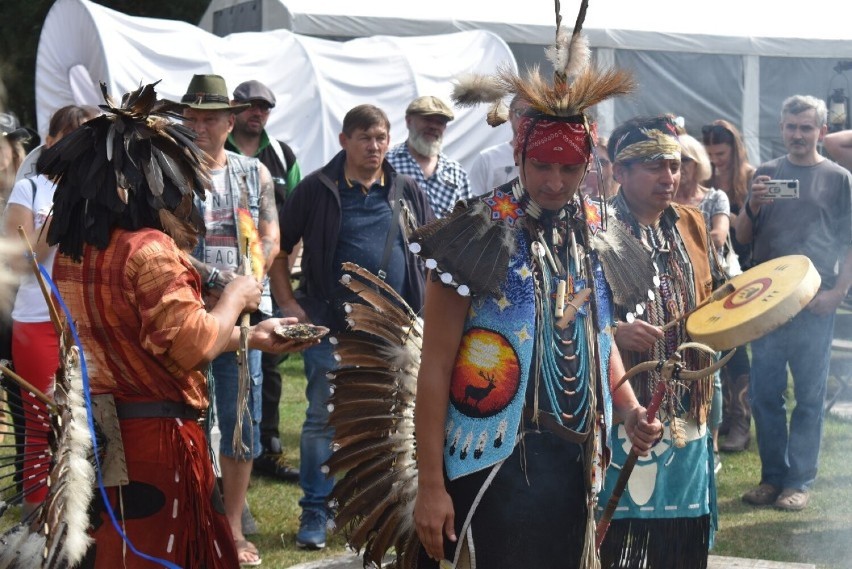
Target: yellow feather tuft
[249, 242]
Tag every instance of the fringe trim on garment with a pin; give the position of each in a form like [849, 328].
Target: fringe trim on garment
[679, 543]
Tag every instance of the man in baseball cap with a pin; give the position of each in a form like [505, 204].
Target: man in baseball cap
[441, 178]
[250, 138]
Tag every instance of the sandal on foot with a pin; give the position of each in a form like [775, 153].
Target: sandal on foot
[792, 500]
[245, 549]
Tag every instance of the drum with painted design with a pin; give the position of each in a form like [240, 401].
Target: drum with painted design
[764, 297]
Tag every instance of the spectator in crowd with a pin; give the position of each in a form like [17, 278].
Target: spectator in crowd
[819, 225]
[12, 152]
[441, 178]
[35, 344]
[732, 173]
[348, 210]
[495, 165]
[672, 524]
[713, 203]
[838, 145]
[250, 138]
[237, 182]
[599, 183]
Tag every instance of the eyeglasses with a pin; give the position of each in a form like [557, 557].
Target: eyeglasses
[261, 106]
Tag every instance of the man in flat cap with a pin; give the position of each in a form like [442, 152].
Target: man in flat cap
[250, 138]
[441, 178]
[238, 182]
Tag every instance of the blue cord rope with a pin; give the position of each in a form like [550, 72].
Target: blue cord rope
[87, 398]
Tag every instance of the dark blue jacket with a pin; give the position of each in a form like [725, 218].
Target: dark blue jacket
[312, 214]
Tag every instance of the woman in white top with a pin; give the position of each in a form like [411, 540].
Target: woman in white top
[35, 345]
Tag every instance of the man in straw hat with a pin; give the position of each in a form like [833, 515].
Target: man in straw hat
[237, 182]
[124, 224]
[514, 380]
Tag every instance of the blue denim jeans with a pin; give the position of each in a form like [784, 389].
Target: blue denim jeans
[789, 458]
[315, 444]
[225, 371]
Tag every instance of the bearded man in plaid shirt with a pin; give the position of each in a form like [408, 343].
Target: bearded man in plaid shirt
[441, 178]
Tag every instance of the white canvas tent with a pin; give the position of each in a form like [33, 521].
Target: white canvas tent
[315, 80]
[728, 59]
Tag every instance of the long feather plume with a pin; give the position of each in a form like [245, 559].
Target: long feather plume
[372, 412]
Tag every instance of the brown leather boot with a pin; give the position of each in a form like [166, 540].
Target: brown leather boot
[739, 415]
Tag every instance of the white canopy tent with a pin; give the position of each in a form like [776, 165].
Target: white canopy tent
[702, 60]
[316, 81]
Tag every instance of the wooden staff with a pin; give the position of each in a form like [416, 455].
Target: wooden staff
[26, 385]
[716, 295]
[51, 308]
[669, 369]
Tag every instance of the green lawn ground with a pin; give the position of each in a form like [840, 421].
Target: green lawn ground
[822, 534]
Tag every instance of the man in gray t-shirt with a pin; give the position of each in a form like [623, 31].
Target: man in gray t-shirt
[817, 224]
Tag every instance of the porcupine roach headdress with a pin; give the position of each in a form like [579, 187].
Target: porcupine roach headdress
[132, 167]
[555, 128]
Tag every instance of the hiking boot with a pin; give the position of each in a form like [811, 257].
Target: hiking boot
[763, 495]
[792, 500]
[737, 415]
[738, 438]
[274, 466]
[312, 527]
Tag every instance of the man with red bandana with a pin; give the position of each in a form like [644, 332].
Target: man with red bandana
[513, 391]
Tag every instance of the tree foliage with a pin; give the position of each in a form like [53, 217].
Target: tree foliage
[20, 29]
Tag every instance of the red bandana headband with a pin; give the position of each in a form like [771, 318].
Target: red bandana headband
[556, 141]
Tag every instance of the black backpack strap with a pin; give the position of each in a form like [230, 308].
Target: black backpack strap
[395, 197]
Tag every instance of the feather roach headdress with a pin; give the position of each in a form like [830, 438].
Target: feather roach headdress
[556, 108]
[132, 167]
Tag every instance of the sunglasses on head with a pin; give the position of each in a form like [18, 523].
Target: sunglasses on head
[715, 132]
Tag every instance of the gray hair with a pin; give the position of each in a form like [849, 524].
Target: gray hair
[798, 104]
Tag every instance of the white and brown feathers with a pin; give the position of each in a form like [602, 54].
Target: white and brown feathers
[132, 167]
[372, 412]
[56, 534]
[576, 85]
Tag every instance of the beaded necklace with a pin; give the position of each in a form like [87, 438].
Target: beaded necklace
[561, 367]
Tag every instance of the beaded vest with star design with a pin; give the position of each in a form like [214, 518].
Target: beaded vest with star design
[518, 351]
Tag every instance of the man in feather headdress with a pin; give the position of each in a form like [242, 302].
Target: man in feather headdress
[667, 513]
[238, 183]
[513, 392]
[124, 220]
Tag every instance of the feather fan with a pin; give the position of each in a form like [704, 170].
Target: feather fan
[56, 533]
[372, 412]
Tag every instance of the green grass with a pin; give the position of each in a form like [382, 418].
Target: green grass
[822, 534]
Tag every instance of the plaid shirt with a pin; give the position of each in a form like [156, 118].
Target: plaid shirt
[447, 185]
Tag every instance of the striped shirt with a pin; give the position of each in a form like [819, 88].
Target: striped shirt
[447, 185]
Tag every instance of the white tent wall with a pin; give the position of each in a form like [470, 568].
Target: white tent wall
[316, 81]
[702, 60]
